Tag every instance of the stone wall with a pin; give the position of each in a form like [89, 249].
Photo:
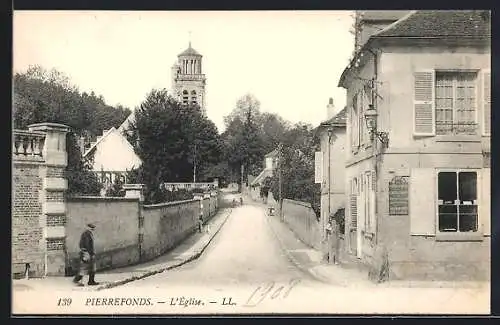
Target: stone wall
[128, 232]
[116, 234]
[301, 219]
[38, 210]
[167, 224]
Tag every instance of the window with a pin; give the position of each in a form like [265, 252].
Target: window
[455, 103]
[457, 201]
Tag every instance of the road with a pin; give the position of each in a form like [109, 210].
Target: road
[244, 270]
[244, 253]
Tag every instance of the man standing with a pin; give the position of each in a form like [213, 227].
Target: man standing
[87, 257]
[333, 241]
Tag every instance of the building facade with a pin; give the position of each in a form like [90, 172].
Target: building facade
[188, 80]
[419, 187]
[332, 135]
[104, 152]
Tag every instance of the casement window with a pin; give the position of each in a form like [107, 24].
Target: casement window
[447, 103]
[456, 103]
[457, 201]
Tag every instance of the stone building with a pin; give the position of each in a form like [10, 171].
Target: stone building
[188, 80]
[332, 143]
[418, 146]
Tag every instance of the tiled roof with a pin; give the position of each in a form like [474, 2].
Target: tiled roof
[383, 15]
[440, 23]
[339, 118]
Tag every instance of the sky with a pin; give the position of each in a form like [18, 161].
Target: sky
[290, 60]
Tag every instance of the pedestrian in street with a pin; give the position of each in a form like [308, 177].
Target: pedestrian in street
[87, 262]
[334, 241]
[200, 223]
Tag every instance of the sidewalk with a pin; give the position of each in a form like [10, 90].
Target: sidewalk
[190, 249]
[350, 273]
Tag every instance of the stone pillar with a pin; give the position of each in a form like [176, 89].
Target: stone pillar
[134, 191]
[53, 218]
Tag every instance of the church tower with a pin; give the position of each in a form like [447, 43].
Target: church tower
[188, 80]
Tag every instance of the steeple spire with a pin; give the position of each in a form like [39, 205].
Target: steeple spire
[189, 39]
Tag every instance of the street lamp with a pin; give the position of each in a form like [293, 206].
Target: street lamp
[371, 123]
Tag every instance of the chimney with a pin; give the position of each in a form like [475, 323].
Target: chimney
[330, 109]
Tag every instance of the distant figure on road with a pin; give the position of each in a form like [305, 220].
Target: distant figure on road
[241, 200]
[87, 262]
[200, 223]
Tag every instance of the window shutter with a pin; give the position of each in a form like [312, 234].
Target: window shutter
[485, 201]
[318, 164]
[486, 102]
[354, 211]
[423, 103]
[423, 201]
[360, 117]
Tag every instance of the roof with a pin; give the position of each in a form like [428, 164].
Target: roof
[272, 153]
[126, 124]
[339, 119]
[190, 52]
[382, 15]
[94, 145]
[431, 24]
[265, 173]
[440, 23]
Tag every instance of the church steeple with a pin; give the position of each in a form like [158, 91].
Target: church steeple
[188, 78]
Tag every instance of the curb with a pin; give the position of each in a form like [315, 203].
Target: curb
[308, 271]
[160, 270]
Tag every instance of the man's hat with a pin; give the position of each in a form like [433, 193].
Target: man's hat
[91, 225]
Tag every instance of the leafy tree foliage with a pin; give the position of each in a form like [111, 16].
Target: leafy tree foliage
[171, 139]
[297, 167]
[249, 136]
[48, 96]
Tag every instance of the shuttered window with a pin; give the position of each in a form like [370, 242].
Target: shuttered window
[486, 102]
[354, 211]
[423, 103]
[353, 203]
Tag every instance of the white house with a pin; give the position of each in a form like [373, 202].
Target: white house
[112, 156]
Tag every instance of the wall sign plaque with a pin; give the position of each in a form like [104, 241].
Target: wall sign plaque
[398, 196]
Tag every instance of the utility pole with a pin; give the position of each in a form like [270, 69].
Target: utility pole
[242, 177]
[280, 181]
[194, 164]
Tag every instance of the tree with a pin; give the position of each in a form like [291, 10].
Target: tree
[297, 167]
[48, 96]
[171, 139]
[243, 137]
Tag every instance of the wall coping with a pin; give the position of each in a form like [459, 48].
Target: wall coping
[166, 204]
[100, 198]
[305, 204]
[45, 126]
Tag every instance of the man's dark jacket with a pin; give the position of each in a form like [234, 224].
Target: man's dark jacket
[87, 242]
